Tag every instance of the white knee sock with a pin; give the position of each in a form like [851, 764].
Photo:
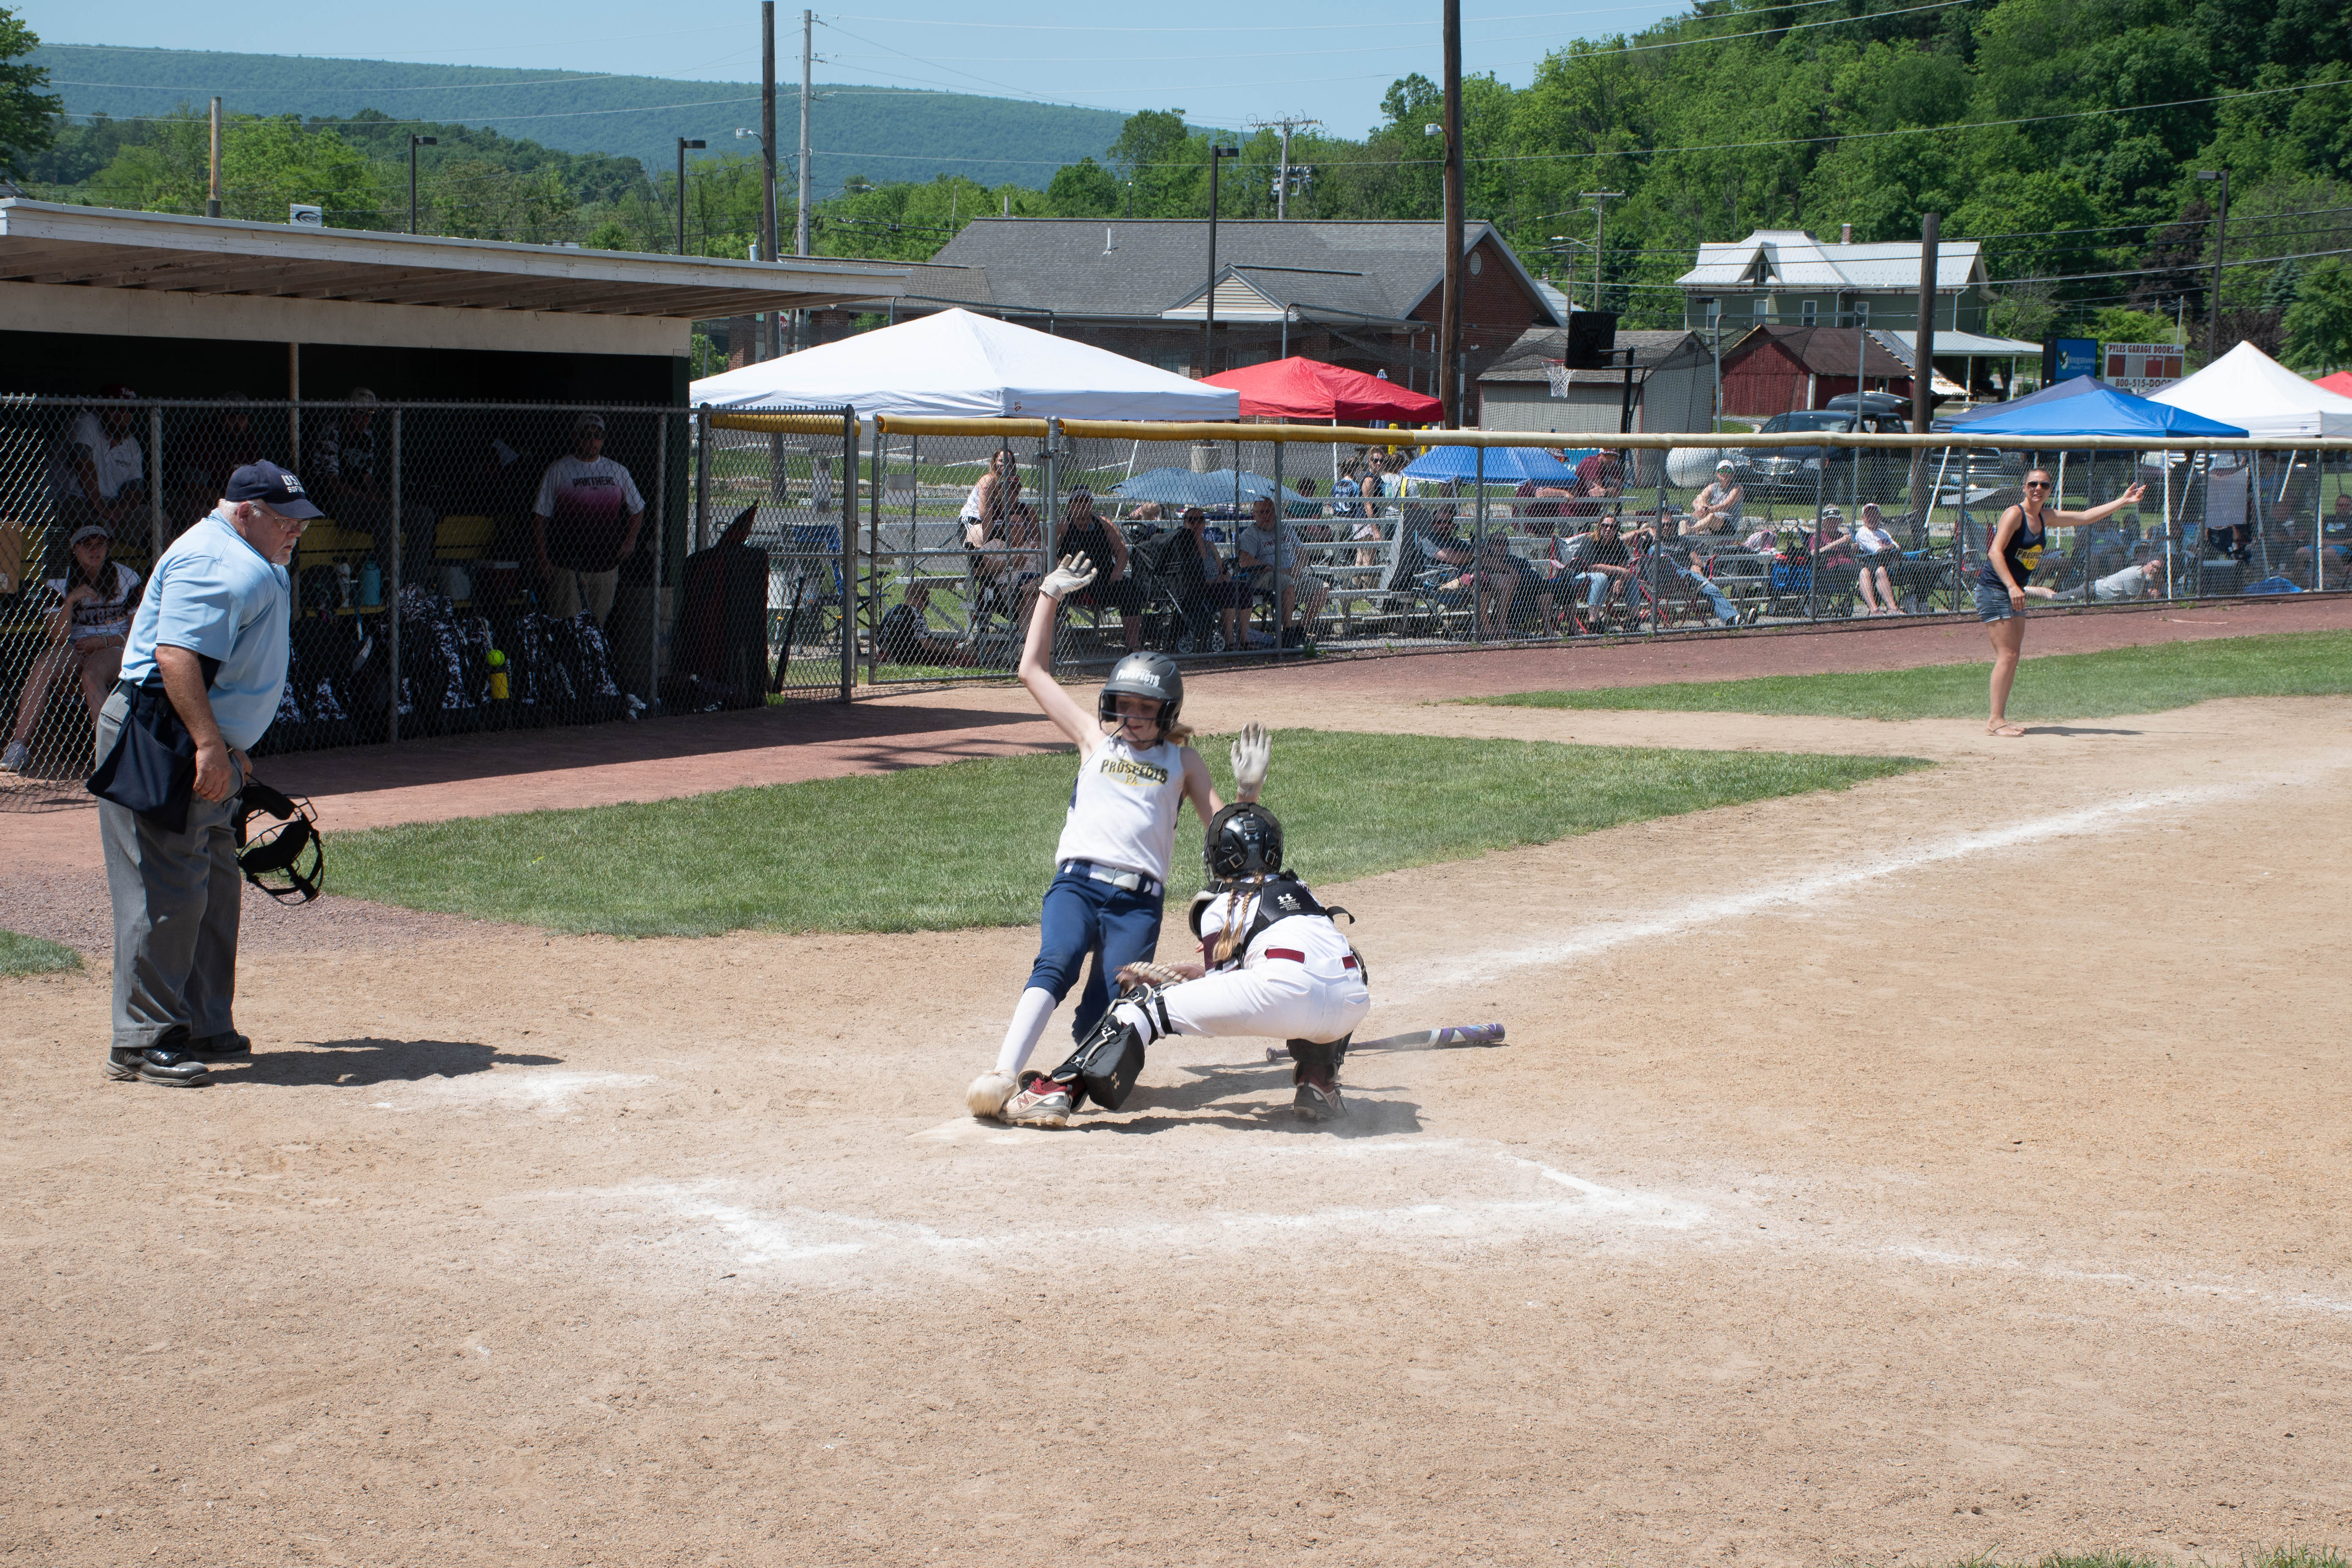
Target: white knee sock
[1030, 1015]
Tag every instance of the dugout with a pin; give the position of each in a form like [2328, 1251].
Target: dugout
[464, 341]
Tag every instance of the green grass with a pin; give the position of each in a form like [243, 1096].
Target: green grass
[2276, 1557]
[970, 844]
[34, 955]
[2062, 686]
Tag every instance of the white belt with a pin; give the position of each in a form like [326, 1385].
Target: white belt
[1133, 881]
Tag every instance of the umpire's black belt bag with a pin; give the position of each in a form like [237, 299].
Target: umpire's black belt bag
[151, 769]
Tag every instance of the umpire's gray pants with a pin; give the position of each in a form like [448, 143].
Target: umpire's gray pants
[176, 897]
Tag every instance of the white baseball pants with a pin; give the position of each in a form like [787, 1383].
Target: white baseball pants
[1279, 1000]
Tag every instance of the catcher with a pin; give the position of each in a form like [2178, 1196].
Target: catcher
[1273, 963]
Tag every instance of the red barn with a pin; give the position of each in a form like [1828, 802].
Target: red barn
[1775, 369]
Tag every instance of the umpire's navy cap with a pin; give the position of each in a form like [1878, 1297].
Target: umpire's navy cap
[274, 487]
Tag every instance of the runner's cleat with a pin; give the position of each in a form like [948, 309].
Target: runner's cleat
[1042, 1102]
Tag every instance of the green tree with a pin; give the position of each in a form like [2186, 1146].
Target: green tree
[267, 164]
[1084, 189]
[2318, 327]
[2121, 324]
[28, 115]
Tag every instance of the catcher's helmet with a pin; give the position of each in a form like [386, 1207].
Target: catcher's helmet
[1244, 840]
[1143, 675]
[284, 858]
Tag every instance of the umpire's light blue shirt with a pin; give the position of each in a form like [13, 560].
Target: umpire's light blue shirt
[218, 597]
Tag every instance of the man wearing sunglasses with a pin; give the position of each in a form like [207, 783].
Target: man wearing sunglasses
[2016, 549]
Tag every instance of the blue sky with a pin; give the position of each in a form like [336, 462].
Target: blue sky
[1331, 61]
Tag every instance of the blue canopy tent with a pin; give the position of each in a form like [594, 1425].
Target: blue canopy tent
[2072, 386]
[1218, 486]
[2101, 411]
[1504, 466]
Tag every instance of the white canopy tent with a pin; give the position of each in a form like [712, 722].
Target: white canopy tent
[2247, 387]
[958, 363]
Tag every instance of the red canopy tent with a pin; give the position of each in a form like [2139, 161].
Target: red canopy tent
[1298, 388]
[2340, 384]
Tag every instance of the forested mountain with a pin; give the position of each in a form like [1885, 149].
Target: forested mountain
[883, 132]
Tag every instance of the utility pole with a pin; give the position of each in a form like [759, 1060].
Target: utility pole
[213, 201]
[800, 223]
[769, 346]
[800, 199]
[2220, 235]
[1599, 200]
[1449, 311]
[1282, 177]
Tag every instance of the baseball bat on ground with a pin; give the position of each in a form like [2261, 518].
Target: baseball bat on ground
[1440, 1039]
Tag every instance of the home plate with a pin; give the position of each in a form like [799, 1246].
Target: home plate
[971, 1129]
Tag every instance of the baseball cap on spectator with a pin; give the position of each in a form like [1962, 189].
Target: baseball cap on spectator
[361, 396]
[274, 488]
[89, 531]
[1725, 466]
[588, 422]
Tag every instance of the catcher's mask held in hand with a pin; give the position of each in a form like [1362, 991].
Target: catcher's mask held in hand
[284, 858]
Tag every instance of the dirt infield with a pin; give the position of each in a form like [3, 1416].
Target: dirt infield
[1949, 1166]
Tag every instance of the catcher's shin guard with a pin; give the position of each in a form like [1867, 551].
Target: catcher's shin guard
[1109, 1061]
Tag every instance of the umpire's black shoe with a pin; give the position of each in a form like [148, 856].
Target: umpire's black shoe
[214, 1047]
[165, 1064]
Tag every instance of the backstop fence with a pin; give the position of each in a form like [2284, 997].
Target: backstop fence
[494, 566]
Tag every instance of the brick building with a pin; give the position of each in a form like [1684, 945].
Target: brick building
[1363, 295]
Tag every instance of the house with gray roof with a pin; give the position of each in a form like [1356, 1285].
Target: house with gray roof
[1364, 295]
[1786, 278]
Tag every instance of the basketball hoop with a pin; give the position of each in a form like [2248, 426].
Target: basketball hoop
[1556, 372]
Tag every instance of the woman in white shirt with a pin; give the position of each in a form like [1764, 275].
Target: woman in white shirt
[96, 599]
[1716, 510]
[1878, 551]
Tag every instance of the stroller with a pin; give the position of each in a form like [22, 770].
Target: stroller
[1180, 611]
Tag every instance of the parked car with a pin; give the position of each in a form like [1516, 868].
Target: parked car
[1792, 475]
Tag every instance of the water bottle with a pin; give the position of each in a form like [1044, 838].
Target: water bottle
[370, 583]
[497, 661]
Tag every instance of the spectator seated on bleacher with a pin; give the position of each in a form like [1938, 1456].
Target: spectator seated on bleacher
[2334, 544]
[904, 635]
[1605, 564]
[1879, 557]
[1715, 508]
[1511, 596]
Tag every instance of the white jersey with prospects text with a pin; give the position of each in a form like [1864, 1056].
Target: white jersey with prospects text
[1123, 810]
[1316, 936]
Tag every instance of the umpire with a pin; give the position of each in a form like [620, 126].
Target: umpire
[213, 634]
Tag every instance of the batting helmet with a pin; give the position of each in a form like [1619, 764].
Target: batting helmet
[284, 858]
[1244, 840]
[1143, 675]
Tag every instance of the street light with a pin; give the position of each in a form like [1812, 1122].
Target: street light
[683, 143]
[2221, 234]
[414, 142]
[1209, 319]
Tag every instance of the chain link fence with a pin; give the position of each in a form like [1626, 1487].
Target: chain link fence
[480, 566]
[1267, 542]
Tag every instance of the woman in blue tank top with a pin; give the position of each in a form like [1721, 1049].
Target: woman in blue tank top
[2016, 549]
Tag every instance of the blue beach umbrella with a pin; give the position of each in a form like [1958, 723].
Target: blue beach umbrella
[1504, 466]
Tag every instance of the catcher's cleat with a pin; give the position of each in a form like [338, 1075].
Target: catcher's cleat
[1041, 1102]
[988, 1093]
[1313, 1103]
